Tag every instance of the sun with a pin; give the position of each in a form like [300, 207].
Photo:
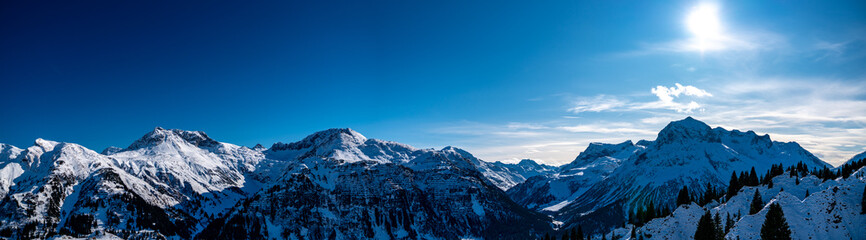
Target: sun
[703, 22]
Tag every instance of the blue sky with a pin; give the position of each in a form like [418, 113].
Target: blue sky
[504, 80]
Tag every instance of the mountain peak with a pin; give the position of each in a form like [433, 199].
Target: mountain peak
[685, 130]
[333, 137]
[111, 150]
[259, 147]
[45, 144]
[527, 162]
[160, 135]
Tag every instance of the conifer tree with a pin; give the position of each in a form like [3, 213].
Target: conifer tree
[757, 203]
[683, 197]
[706, 228]
[733, 186]
[650, 212]
[753, 178]
[807, 193]
[579, 235]
[565, 236]
[717, 227]
[775, 226]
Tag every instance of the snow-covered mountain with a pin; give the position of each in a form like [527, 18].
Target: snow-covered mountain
[686, 153]
[174, 183]
[344, 186]
[169, 181]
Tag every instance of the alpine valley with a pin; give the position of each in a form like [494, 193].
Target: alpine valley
[338, 184]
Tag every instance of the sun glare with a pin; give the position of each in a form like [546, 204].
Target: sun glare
[703, 21]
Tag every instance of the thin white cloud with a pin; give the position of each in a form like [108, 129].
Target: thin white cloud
[519, 125]
[597, 104]
[598, 128]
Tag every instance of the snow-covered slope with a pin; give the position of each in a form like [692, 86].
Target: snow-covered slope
[342, 185]
[685, 153]
[831, 211]
[9, 169]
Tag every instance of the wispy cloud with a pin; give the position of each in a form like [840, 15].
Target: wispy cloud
[597, 104]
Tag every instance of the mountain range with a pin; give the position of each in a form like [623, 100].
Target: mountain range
[338, 184]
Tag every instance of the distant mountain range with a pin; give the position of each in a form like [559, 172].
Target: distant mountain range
[337, 184]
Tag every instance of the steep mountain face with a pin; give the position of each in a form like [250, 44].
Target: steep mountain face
[685, 153]
[9, 169]
[553, 191]
[111, 200]
[344, 186]
[46, 173]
